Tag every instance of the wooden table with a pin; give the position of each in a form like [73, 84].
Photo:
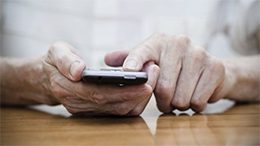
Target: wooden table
[237, 125]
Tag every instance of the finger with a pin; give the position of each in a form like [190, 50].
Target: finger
[63, 57]
[96, 109]
[218, 93]
[113, 94]
[79, 108]
[153, 74]
[76, 105]
[102, 94]
[116, 58]
[122, 107]
[211, 78]
[192, 68]
[149, 50]
[170, 67]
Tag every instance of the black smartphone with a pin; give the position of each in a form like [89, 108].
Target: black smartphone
[114, 76]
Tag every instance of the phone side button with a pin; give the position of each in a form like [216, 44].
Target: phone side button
[130, 77]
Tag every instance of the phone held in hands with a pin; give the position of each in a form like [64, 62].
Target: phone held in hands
[114, 76]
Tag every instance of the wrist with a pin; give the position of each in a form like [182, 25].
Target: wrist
[230, 78]
[23, 82]
[42, 83]
[243, 79]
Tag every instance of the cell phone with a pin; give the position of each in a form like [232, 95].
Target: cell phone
[114, 76]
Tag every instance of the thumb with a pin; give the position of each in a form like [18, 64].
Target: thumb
[149, 50]
[64, 57]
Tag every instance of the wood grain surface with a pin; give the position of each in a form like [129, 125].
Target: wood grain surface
[239, 125]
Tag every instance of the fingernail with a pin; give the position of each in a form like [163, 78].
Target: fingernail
[131, 64]
[73, 68]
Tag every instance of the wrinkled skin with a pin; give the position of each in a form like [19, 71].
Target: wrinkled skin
[63, 66]
[189, 76]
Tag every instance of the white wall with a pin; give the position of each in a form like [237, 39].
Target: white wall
[98, 26]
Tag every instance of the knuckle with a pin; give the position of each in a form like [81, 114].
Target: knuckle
[197, 104]
[182, 44]
[55, 46]
[180, 103]
[184, 39]
[217, 67]
[58, 57]
[164, 107]
[163, 90]
[199, 55]
[161, 40]
[163, 94]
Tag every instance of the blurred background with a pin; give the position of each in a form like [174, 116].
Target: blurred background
[95, 27]
[226, 28]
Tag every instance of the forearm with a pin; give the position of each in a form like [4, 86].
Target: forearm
[245, 75]
[23, 82]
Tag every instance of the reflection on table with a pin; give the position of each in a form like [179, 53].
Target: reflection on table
[238, 125]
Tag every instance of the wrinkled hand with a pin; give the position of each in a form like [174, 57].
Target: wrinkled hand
[189, 76]
[63, 66]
